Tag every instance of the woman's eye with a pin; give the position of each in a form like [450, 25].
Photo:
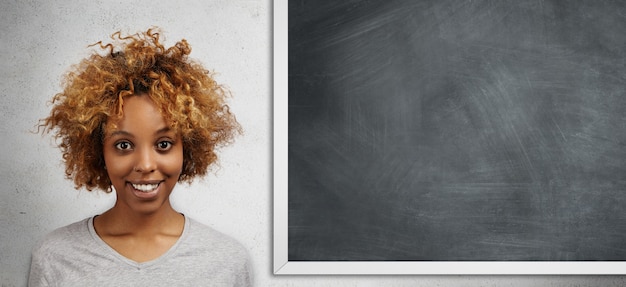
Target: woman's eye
[164, 145]
[123, 146]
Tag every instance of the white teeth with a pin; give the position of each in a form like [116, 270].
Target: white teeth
[145, 187]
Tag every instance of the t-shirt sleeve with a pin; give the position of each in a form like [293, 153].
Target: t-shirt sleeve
[37, 275]
[244, 276]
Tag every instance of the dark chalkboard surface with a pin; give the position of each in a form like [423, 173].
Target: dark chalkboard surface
[457, 130]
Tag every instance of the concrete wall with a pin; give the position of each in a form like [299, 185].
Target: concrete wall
[40, 39]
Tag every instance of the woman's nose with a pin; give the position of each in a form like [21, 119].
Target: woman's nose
[146, 161]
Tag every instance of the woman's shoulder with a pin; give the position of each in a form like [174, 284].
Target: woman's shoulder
[63, 238]
[204, 253]
[204, 237]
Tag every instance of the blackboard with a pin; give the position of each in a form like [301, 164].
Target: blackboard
[456, 130]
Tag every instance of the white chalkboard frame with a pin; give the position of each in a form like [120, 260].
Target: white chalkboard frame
[281, 264]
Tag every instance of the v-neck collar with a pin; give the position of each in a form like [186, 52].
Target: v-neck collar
[132, 263]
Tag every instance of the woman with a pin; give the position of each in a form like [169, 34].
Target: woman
[138, 120]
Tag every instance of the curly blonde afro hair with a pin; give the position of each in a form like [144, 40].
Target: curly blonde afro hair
[93, 91]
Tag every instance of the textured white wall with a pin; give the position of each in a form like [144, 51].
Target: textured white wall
[40, 39]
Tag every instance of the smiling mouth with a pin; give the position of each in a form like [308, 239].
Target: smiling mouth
[145, 187]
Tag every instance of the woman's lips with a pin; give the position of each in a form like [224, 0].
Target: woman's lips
[145, 187]
[145, 190]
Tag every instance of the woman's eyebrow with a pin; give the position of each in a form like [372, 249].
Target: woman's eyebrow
[120, 132]
[163, 130]
[128, 134]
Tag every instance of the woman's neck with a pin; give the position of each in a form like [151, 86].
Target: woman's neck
[140, 237]
[123, 221]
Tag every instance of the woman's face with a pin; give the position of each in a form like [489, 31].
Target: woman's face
[143, 156]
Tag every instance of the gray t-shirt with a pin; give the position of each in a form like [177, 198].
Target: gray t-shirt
[75, 255]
